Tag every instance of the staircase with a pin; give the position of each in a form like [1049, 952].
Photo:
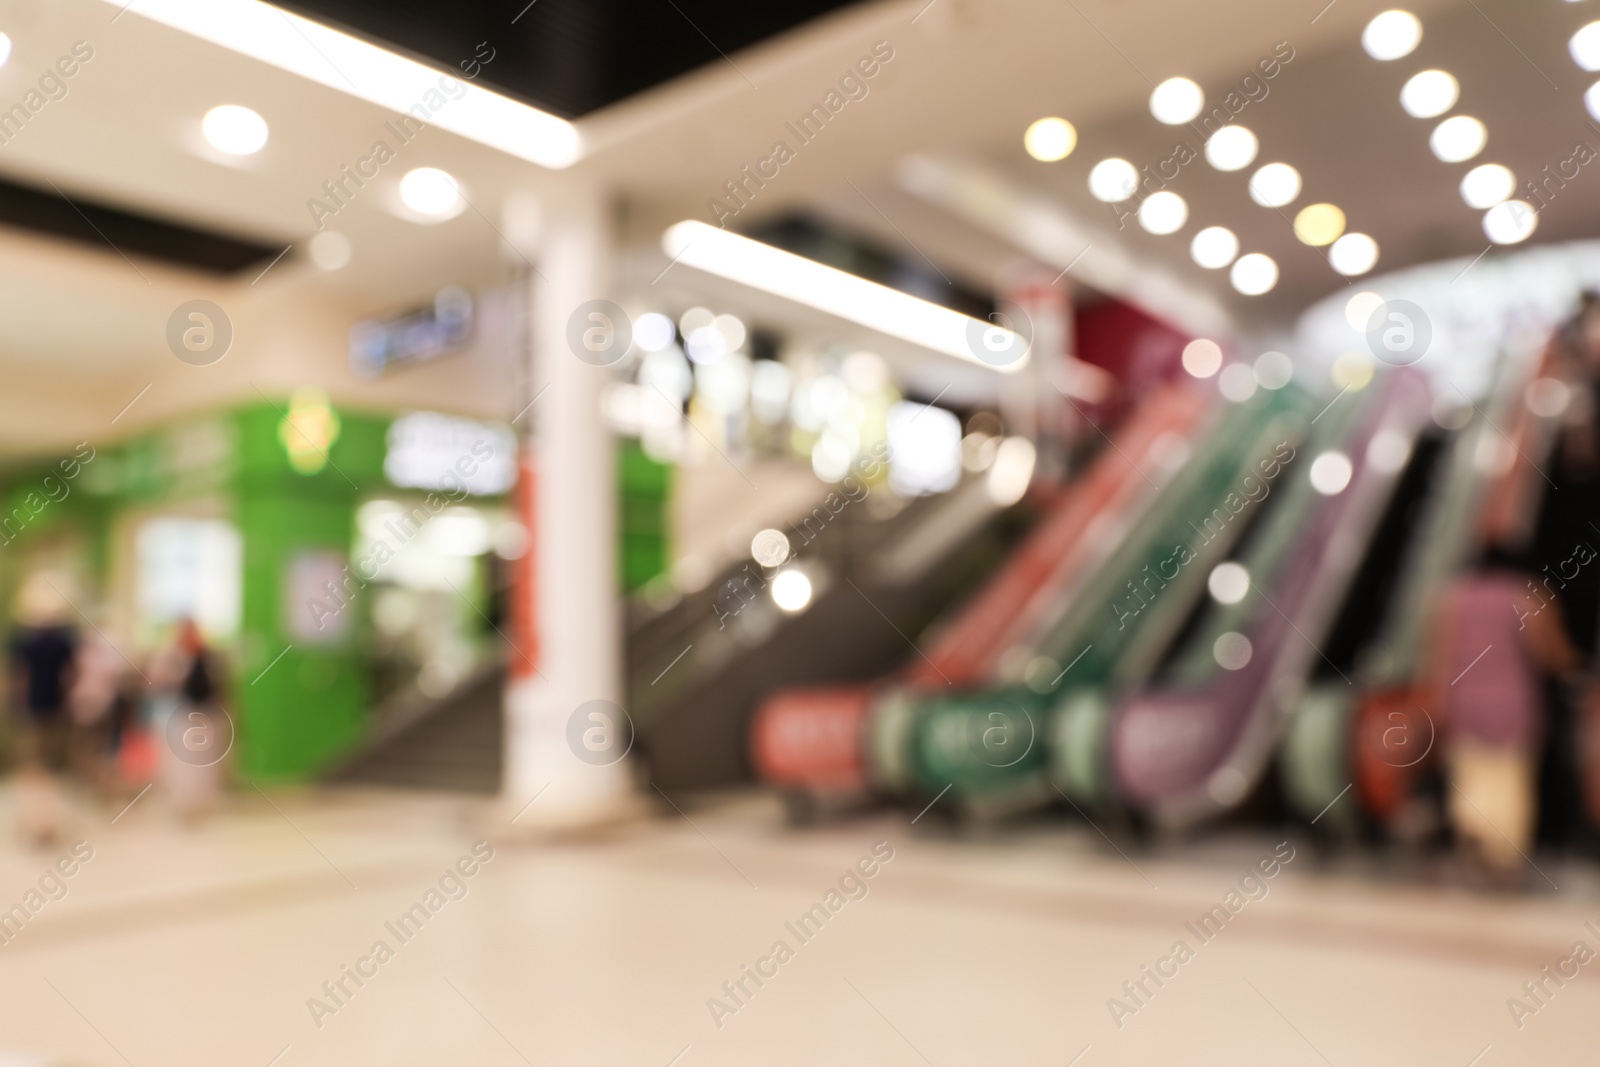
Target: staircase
[452, 743]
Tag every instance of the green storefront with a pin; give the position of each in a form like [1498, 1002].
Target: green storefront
[337, 556]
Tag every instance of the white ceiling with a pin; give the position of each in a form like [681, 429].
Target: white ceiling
[966, 79]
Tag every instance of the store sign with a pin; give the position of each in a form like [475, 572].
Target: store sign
[428, 450]
[412, 337]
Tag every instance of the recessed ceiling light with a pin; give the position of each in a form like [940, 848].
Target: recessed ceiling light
[1487, 185]
[1176, 101]
[430, 191]
[1392, 35]
[1591, 100]
[1354, 253]
[1458, 139]
[330, 250]
[1163, 213]
[5, 49]
[1510, 222]
[1214, 247]
[1585, 47]
[1275, 185]
[1254, 274]
[1232, 148]
[1048, 140]
[235, 130]
[1113, 180]
[1429, 94]
[1319, 224]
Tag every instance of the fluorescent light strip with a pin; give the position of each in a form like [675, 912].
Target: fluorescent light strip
[805, 281]
[370, 73]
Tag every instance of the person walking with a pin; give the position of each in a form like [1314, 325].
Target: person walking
[197, 733]
[42, 649]
[1496, 643]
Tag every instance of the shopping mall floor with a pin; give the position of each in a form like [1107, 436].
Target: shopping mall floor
[207, 945]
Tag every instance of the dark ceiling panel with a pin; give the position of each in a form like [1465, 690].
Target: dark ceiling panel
[569, 57]
[113, 230]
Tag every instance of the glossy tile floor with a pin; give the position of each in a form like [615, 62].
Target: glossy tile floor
[206, 946]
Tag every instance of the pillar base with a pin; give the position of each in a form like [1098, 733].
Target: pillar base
[573, 795]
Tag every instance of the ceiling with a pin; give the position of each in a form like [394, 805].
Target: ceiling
[966, 78]
[568, 57]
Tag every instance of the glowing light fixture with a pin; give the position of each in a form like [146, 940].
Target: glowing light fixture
[834, 292]
[1275, 185]
[1113, 180]
[1392, 35]
[1176, 101]
[235, 130]
[308, 430]
[791, 591]
[1330, 473]
[430, 191]
[1274, 370]
[1458, 139]
[1214, 247]
[1354, 253]
[1232, 148]
[1429, 94]
[376, 75]
[1585, 47]
[1164, 212]
[1048, 140]
[1254, 274]
[1237, 382]
[1228, 583]
[1319, 224]
[1202, 358]
[1487, 185]
[1359, 308]
[1510, 222]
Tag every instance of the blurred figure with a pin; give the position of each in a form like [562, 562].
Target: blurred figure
[1496, 642]
[41, 652]
[97, 690]
[192, 729]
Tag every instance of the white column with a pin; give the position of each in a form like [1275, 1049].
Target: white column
[577, 610]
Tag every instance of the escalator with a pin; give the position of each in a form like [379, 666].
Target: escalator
[1197, 741]
[1373, 738]
[990, 748]
[818, 744]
